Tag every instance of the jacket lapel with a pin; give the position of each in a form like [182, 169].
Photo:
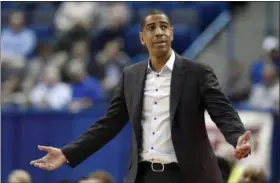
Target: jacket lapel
[139, 86]
[177, 79]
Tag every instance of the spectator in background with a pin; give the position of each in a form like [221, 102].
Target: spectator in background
[114, 19]
[237, 87]
[112, 61]
[50, 93]
[100, 177]
[71, 14]
[45, 57]
[19, 176]
[272, 56]
[17, 41]
[74, 21]
[253, 174]
[86, 90]
[266, 95]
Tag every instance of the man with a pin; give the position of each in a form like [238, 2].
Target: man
[165, 100]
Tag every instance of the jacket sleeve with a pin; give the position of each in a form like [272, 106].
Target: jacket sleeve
[219, 107]
[100, 132]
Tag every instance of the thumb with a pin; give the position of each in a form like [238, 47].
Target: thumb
[246, 136]
[44, 148]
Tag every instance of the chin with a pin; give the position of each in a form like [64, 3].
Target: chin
[160, 51]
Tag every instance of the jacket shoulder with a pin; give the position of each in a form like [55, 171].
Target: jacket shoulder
[133, 68]
[196, 66]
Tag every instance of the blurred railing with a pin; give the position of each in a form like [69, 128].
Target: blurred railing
[204, 39]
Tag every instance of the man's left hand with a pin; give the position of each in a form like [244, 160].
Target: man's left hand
[243, 147]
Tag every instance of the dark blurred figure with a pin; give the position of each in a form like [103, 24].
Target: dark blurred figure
[111, 60]
[271, 56]
[115, 18]
[74, 21]
[86, 90]
[265, 95]
[253, 175]
[237, 87]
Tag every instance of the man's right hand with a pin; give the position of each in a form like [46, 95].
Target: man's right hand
[53, 160]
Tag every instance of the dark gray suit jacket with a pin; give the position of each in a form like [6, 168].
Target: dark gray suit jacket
[194, 89]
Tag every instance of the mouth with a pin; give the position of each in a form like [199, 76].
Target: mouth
[160, 42]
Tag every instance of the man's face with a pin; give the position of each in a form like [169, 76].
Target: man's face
[157, 34]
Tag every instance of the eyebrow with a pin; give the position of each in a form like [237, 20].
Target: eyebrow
[161, 22]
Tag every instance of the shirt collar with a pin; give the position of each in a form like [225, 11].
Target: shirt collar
[169, 64]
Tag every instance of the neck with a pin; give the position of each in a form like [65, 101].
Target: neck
[157, 62]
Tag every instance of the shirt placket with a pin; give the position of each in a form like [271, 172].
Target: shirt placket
[155, 117]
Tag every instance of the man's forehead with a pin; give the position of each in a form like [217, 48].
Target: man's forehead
[156, 18]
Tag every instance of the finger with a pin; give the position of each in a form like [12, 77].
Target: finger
[41, 160]
[246, 136]
[41, 165]
[245, 147]
[44, 148]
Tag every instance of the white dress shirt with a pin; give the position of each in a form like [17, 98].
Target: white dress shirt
[157, 143]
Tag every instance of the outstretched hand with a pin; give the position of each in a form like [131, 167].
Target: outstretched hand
[243, 147]
[52, 160]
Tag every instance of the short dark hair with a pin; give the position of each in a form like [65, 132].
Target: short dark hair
[152, 12]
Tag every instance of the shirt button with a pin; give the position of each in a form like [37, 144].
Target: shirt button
[157, 75]
[155, 118]
[153, 133]
[156, 103]
[156, 89]
[152, 148]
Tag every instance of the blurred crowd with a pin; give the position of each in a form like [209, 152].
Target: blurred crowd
[258, 87]
[69, 71]
[82, 65]
[100, 176]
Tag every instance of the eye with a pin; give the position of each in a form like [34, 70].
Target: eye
[151, 28]
[163, 27]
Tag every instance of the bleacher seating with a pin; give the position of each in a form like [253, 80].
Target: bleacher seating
[189, 18]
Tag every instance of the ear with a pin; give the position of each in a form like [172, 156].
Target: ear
[141, 38]
[172, 33]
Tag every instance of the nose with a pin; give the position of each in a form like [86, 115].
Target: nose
[158, 32]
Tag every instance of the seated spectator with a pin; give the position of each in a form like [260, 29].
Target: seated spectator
[80, 53]
[272, 56]
[71, 14]
[50, 93]
[115, 18]
[19, 176]
[86, 90]
[112, 61]
[100, 177]
[266, 95]
[17, 41]
[74, 21]
[253, 174]
[237, 87]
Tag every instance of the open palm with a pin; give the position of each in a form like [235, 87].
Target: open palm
[53, 160]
